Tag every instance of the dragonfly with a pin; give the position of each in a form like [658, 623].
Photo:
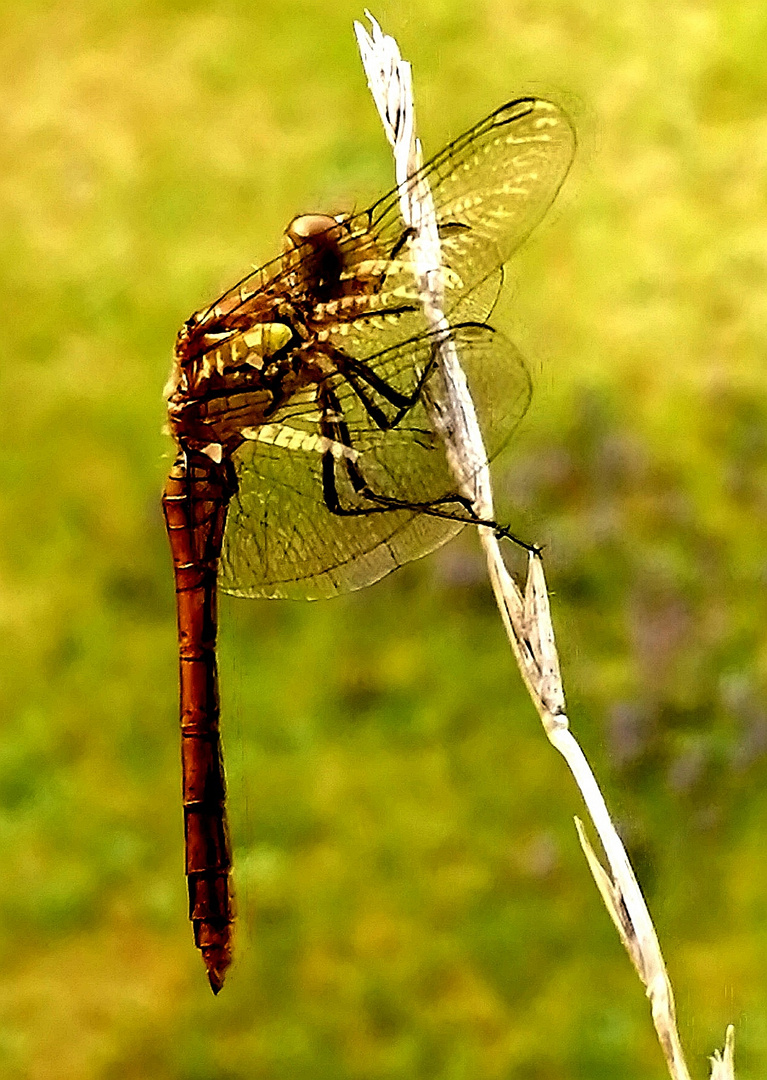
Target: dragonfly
[302, 406]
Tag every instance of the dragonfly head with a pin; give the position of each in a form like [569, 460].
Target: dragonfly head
[315, 229]
[313, 251]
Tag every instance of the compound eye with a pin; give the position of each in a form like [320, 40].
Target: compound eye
[308, 227]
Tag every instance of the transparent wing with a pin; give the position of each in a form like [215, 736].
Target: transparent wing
[282, 540]
[491, 187]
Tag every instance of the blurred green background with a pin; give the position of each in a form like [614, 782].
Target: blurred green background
[412, 900]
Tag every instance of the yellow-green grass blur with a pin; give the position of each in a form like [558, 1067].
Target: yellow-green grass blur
[412, 900]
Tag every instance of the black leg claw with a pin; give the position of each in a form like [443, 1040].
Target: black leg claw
[502, 532]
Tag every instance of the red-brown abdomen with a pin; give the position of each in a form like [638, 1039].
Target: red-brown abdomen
[195, 502]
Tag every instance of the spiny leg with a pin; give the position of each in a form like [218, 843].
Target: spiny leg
[361, 376]
[334, 427]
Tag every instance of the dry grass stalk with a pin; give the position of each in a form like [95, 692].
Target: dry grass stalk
[527, 617]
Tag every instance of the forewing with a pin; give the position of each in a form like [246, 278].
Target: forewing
[490, 187]
[282, 541]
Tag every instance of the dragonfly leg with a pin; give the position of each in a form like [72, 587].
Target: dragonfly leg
[363, 379]
[407, 233]
[451, 507]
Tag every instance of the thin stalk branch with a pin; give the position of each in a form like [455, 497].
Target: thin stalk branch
[526, 617]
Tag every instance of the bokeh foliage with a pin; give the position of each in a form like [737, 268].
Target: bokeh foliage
[412, 900]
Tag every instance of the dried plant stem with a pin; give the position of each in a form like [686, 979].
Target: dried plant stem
[526, 618]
